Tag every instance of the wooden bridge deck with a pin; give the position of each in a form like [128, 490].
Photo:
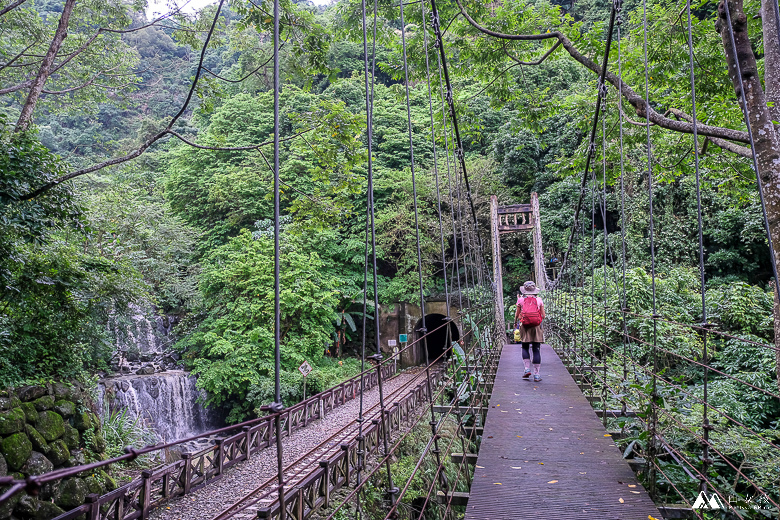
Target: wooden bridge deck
[545, 454]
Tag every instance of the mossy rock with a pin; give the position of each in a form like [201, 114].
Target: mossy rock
[44, 403]
[111, 483]
[37, 464]
[95, 484]
[7, 508]
[12, 421]
[65, 408]
[58, 452]
[16, 449]
[3, 466]
[50, 425]
[72, 437]
[8, 402]
[30, 413]
[72, 493]
[99, 442]
[31, 393]
[82, 421]
[61, 390]
[47, 511]
[27, 507]
[38, 442]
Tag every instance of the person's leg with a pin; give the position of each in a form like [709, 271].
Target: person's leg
[526, 359]
[537, 360]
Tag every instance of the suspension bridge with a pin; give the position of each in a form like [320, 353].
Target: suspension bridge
[607, 433]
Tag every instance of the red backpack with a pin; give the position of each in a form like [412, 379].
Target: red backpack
[530, 314]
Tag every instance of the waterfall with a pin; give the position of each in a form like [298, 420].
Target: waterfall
[166, 401]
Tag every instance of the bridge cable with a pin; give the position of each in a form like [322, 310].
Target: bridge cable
[604, 222]
[654, 393]
[594, 127]
[705, 325]
[370, 228]
[423, 330]
[746, 114]
[277, 406]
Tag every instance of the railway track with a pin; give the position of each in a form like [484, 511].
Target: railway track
[266, 495]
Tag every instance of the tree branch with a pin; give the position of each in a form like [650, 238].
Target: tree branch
[245, 77]
[25, 117]
[627, 92]
[744, 151]
[14, 5]
[16, 88]
[12, 60]
[149, 142]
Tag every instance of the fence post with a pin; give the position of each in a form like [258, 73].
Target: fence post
[94, 506]
[248, 441]
[146, 491]
[220, 458]
[187, 484]
[325, 464]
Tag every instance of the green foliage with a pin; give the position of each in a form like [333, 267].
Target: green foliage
[121, 429]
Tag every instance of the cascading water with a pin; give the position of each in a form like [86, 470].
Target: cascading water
[148, 383]
[168, 402]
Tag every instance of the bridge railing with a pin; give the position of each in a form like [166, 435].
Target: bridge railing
[154, 487]
[682, 398]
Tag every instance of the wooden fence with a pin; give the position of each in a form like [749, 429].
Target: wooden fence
[139, 497]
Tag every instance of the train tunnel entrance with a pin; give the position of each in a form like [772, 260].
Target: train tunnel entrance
[437, 339]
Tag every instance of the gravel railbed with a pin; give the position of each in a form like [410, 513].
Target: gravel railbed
[210, 500]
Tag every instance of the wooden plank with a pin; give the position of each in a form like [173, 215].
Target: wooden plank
[514, 208]
[456, 498]
[544, 453]
[457, 458]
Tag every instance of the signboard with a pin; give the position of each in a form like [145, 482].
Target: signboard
[305, 368]
[391, 343]
[402, 338]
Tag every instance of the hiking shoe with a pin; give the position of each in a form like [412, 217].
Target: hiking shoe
[537, 378]
[527, 374]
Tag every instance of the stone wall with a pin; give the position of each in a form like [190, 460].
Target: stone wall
[43, 428]
[402, 318]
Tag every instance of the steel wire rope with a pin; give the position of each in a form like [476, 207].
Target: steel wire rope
[711, 407]
[654, 396]
[394, 447]
[369, 222]
[423, 328]
[604, 222]
[746, 115]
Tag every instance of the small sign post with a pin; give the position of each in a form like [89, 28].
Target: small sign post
[305, 369]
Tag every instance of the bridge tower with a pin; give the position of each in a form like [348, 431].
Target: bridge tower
[511, 219]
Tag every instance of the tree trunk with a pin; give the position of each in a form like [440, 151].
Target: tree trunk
[765, 136]
[777, 336]
[771, 57]
[25, 118]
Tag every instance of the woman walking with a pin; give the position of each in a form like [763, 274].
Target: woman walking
[529, 315]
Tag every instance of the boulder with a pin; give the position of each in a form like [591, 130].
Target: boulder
[16, 449]
[3, 467]
[145, 370]
[95, 485]
[44, 403]
[125, 385]
[12, 421]
[50, 425]
[77, 458]
[108, 480]
[38, 442]
[8, 402]
[30, 413]
[47, 510]
[72, 493]
[99, 442]
[58, 452]
[82, 421]
[62, 391]
[31, 393]
[27, 507]
[71, 437]
[37, 464]
[65, 408]
[7, 508]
